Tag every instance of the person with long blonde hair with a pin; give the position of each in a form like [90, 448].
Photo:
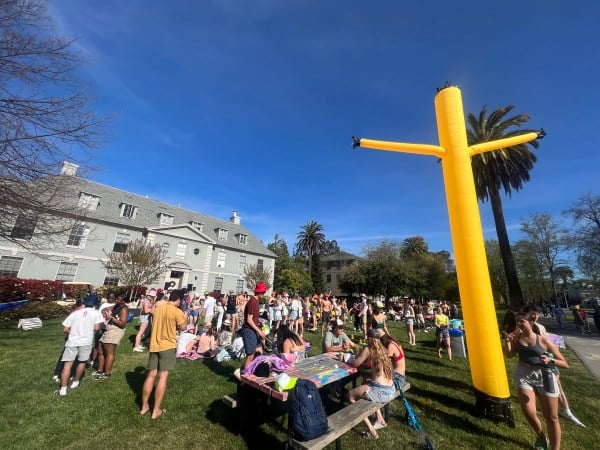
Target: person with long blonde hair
[380, 387]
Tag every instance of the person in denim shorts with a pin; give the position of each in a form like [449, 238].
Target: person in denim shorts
[381, 388]
[535, 378]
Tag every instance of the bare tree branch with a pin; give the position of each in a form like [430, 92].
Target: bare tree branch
[45, 120]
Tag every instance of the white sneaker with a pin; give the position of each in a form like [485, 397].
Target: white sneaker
[238, 374]
[138, 349]
[56, 378]
[567, 414]
[379, 426]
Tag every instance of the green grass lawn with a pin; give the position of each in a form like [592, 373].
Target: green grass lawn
[104, 414]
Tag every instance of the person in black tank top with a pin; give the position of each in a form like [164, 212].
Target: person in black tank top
[535, 378]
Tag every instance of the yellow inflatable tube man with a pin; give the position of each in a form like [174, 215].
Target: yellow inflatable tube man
[481, 328]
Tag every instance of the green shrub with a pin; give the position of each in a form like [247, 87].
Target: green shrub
[43, 310]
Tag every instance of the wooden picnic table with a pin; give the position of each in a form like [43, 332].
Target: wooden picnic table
[321, 369]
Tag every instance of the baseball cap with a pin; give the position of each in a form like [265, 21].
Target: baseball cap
[151, 293]
[260, 288]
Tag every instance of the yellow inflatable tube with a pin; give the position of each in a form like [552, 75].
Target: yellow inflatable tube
[488, 371]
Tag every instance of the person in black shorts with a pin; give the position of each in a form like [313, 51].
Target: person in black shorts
[231, 309]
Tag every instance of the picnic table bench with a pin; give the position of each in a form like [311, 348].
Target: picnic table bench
[343, 421]
[321, 369]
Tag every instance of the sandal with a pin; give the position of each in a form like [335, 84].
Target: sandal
[368, 435]
[161, 413]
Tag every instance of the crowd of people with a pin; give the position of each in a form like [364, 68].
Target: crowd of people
[177, 324]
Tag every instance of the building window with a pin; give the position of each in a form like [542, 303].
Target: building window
[88, 201]
[196, 226]
[218, 284]
[66, 271]
[121, 242]
[221, 259]
[328, 278]
[243, 239]
[239, 286]
[242, 262]
[165, 219]
[259, 264]
[10, 265]
[128, 211]
[111, 279]
[338, 277]
[181, 249]
[24, 227]
[222, 234]
[78, 236]
[165, 247]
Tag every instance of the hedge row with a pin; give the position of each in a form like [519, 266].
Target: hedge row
[43, 310]
[12, 289]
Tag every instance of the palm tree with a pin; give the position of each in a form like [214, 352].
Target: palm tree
[506, 169]
[310, 241]
[414, 245]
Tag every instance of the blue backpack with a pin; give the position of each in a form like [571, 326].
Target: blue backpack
[307, 414]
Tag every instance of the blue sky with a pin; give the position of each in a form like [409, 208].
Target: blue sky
[225, 105]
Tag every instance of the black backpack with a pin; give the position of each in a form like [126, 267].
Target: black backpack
[307, 414]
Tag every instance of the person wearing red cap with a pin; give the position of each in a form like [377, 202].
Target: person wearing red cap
[251, 332]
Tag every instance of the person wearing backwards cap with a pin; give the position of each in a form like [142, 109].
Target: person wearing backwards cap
[336, 340]
[251, 332]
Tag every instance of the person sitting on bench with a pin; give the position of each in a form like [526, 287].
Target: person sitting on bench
[381, 387]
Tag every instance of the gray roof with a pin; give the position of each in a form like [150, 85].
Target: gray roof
[341, 256]
[148, 215]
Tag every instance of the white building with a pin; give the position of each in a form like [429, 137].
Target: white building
[203, 252]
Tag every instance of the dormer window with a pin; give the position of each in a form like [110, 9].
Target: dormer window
[165, 219]
[128, 211]
[88, 201]
[222, 234]
[196, 226]
[243, 239]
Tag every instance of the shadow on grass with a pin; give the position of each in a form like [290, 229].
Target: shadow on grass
[440, 380]
[466, 418]
[224, 370]
[246, 421]
[135, 381]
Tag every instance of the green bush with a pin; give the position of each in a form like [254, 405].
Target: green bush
[43, 310]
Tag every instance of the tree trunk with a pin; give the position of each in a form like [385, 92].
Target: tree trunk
[514, 288]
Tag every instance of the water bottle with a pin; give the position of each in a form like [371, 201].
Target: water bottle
[548, 376]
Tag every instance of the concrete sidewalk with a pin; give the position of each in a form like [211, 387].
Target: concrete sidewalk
[586, 347]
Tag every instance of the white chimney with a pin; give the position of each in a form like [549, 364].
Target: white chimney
[69, 168]
[235, 218]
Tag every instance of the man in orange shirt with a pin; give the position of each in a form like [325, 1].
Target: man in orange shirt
[163, 347]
